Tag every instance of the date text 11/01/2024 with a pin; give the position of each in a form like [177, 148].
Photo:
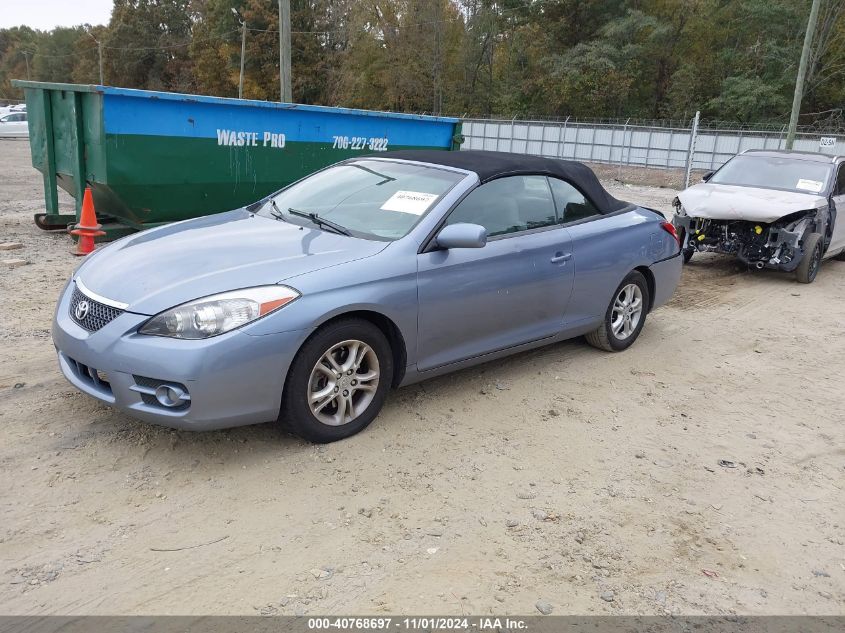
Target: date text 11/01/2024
[425, 623]
[235, 138]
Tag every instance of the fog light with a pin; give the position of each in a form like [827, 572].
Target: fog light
[171, 395]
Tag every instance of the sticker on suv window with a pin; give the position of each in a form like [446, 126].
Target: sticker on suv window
[414, 202]
[809, 185]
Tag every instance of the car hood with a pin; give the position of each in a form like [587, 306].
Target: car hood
[731, 202]
[163, 267]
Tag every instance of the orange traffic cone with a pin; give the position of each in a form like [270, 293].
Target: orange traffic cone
[87, 228]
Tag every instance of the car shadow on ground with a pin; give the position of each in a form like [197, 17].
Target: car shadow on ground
[99, 425]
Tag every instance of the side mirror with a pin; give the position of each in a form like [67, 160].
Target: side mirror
[462, 236]
[707, 176]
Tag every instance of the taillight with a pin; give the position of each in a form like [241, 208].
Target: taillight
[670, 229]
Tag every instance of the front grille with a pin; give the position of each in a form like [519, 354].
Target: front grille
[90, 375]
[97, 315]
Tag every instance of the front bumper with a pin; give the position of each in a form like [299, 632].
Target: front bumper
[782, 246]
[231, 380]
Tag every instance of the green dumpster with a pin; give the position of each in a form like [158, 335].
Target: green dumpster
[156, 157]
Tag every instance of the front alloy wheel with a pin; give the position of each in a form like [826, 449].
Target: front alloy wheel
[343, 382]
[338, 381]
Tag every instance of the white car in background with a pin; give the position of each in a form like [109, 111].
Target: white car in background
[771, 209]
[14, 125]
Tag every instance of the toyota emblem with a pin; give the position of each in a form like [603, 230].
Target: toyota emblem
[81, 310]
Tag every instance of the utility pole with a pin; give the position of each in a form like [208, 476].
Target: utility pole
[243, 52]
[26, 59]
[285, 94]
[437, 91]
[243, 59]
[693, 137]
[100, 55]
[802, 74]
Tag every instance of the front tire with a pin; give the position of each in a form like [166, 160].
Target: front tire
[686, 251]
[809, 266]
[338, 382]
[625, 315]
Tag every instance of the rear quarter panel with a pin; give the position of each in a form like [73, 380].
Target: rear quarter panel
[605, 250]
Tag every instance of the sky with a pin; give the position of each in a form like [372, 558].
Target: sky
[48, 14]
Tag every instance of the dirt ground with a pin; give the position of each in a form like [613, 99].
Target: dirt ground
[588, 480]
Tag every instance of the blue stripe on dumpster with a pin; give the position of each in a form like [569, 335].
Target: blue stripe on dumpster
[165, 114]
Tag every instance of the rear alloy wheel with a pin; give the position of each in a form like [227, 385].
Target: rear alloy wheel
[338, 381]
[625, 315]
[809, 266]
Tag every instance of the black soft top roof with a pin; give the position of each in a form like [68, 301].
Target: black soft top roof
[492, 165]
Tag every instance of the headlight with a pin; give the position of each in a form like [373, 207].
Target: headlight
[217, 314]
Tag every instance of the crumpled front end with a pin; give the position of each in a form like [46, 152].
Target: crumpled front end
[777, 245]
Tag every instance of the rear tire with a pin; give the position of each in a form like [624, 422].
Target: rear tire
[809, 266]
[338, 382]
[625, 315]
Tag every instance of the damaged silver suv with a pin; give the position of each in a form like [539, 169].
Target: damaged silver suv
[779, 210]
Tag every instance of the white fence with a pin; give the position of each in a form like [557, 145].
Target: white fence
[622, 144]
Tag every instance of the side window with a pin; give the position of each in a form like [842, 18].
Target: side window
[507, 205]
[571, 204]
[840, 181]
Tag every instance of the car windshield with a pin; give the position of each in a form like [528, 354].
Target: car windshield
[368, 198]
[770, 172]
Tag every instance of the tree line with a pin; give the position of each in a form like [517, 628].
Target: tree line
[647, 59]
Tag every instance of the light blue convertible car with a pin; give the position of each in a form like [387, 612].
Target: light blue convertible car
[309, 305]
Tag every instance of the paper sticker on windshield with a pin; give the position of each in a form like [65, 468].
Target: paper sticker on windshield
[809, 185]
[415, 202]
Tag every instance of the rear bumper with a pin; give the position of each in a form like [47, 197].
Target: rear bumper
[231, 380]
[667, 275]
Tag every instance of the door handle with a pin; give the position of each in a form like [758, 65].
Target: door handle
[561, 257]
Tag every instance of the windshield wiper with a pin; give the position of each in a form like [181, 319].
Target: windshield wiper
[276, 212]
[321, 222]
